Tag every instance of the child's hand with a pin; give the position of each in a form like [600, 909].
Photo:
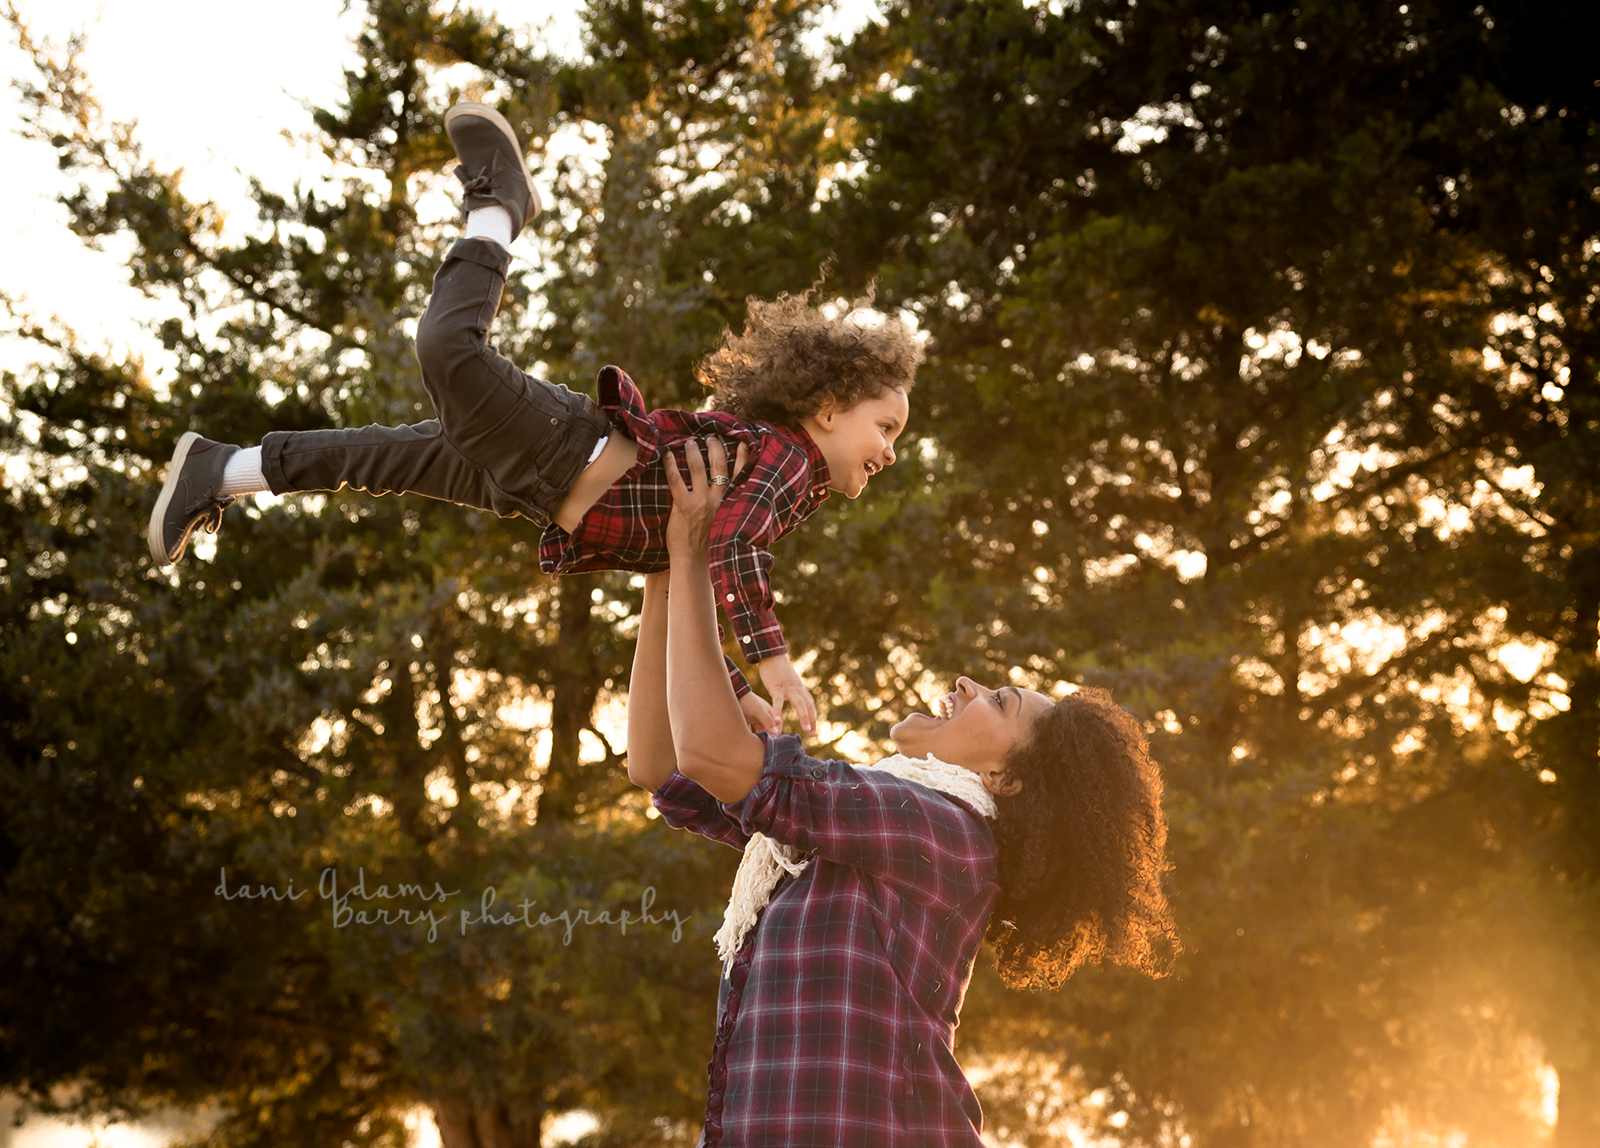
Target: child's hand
[783, 683]
[758, 714]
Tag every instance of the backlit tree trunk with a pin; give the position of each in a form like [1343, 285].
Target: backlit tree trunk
[466, 1125]
[575, 691]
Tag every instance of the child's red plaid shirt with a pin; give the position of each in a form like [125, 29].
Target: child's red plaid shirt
[837, 1020]
[784, 480]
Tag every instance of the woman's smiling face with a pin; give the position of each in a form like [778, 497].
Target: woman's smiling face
[973, 726]
[858, 441]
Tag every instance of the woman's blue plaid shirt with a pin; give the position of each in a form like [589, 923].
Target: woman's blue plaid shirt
[837, 1020]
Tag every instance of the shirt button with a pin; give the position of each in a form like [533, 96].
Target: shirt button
[745, 640]
[817, 773]
[730, 597]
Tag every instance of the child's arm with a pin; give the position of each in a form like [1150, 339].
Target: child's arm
[759, 511]
[651, 756]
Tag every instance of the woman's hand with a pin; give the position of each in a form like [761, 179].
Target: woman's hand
[695, 501]
[710, 733]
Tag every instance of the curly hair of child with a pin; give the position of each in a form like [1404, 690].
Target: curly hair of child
[1082, 849]
[793, 354]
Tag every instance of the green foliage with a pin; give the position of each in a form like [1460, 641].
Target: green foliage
[1233, 306]
[1261, 389]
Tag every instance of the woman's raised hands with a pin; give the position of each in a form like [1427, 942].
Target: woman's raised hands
[694, 508]
[695, 501]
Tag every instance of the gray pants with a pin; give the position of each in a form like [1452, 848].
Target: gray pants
[504, 441]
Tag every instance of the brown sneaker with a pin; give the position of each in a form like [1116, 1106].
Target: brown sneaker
[189, 499]
[492, 170]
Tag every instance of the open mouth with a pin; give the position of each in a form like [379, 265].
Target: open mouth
[942, 710]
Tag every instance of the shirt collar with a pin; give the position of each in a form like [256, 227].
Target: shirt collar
[617, 391]
[815, 463]
[618, 394]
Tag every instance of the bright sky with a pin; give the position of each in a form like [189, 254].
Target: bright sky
[212, 91]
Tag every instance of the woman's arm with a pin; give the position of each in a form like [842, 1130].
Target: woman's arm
[714, 746]
[651, 757]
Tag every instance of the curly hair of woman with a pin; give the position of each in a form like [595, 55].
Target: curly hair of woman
[1082, 849]
[792, 354]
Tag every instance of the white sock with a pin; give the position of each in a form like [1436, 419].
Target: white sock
[490, 223]
[243, 474]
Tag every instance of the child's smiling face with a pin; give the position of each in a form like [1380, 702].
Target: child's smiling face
[858, 441]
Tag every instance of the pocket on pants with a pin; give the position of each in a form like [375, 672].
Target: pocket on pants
[508, 505]
[552, 445]
[552, 401]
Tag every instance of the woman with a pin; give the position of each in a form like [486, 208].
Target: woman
[865, 893]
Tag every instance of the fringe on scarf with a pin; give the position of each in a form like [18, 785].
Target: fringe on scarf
[766, 861]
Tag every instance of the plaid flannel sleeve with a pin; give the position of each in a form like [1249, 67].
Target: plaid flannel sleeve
[741, 685]
[750, 519]
[924, 843]
[684, 805]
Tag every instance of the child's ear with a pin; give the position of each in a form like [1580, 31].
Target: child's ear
[828, 408]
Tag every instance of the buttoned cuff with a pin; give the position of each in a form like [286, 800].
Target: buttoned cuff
[684, 805]
[758, 633]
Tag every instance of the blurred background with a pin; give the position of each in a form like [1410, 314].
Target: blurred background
[1261, 389]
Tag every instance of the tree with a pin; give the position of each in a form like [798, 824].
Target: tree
[351, 686]
[1261, 390]
[1247, 322]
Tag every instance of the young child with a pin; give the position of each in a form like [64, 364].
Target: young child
[815, 404]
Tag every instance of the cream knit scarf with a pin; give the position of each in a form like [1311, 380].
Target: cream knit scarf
[766, 861]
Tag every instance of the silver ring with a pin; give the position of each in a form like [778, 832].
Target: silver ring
[719, 480]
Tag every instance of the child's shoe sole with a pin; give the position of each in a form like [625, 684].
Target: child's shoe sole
[493, 169]
[189, 498]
